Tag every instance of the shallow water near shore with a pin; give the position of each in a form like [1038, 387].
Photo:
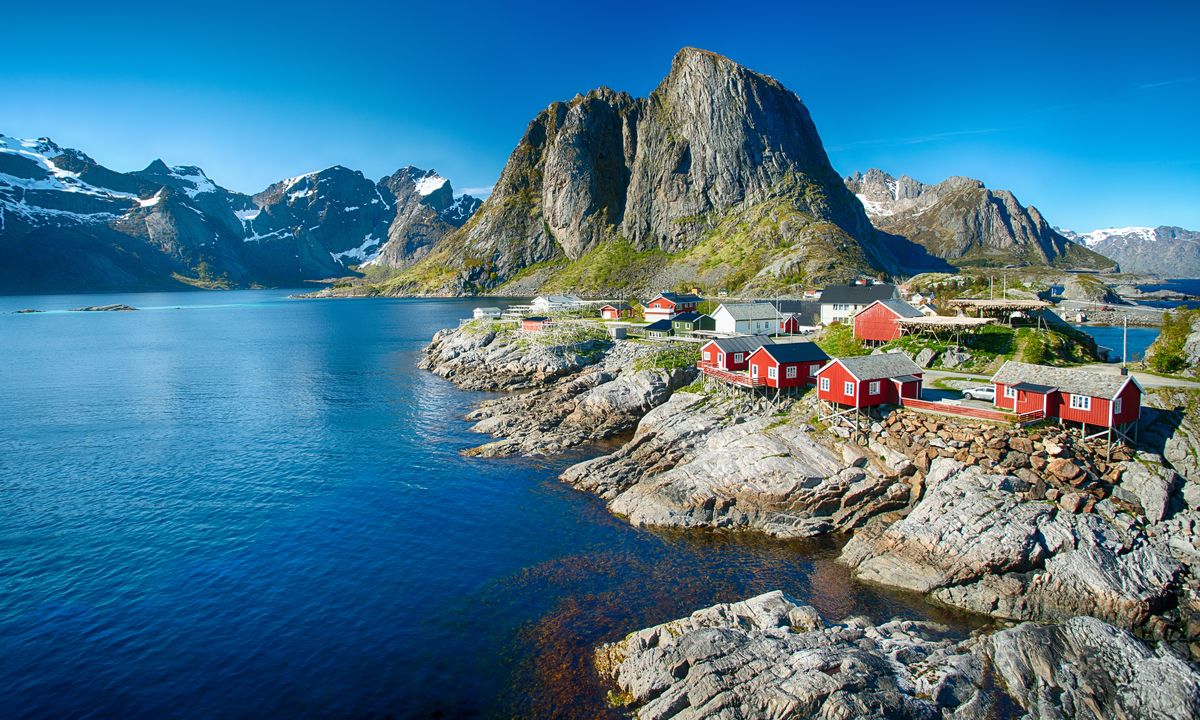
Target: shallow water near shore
[241, 505]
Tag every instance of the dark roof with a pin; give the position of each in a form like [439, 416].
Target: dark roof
[857, 294]
[1077, 382]
[883, 365]
[537, 318]
[907, 378]
[1033, 388]
[659, 326]
[678, 297]
[742, 343]
[616, 306]
[901, 308]
[794, 352]
[687, 317]
[792, 306]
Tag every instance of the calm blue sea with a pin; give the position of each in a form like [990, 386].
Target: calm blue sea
[1112, 337]
[1180, 285]
[234, 505]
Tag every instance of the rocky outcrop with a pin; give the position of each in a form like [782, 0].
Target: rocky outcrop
[976, 542]
[965, 223]
[709, 461]
[714, 145]
[769, 657]
[483, 357]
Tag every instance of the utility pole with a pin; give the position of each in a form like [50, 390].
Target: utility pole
[1124, 343]
[992, 286]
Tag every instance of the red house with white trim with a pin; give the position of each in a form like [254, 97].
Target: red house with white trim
[732, 353]
[787, 365]
[869, 381]
[667, 305]
[616, 311]
[877, 321]
[1100, 399]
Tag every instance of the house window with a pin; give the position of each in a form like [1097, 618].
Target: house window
[707, 356]
[772, 372]
[737, 357]
[1010, 392]
[791, 372]
[873, 388]
[824, 383]
[849, 389]
[1081, 402]
[814, 370]
[1117, 404]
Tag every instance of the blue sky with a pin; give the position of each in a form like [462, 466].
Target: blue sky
[1088, 110]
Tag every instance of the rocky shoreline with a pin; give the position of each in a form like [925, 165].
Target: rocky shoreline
[1019, 525]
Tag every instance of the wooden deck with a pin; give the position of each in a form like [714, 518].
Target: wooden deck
[732, 377]
[967, 411]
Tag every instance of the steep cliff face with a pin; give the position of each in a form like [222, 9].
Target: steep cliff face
[963, 222]
[1165, 250]
[714, 148]
[425, 211]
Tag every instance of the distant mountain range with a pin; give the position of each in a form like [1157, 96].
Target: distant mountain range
[718, 178]
[1165, 250]
[69, 224]
[963, 222]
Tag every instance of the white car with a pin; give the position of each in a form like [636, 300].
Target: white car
[983, 392]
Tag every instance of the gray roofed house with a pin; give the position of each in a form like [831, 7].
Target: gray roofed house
[744, 343]
[901, 308]
[1068, 380]
[877, 367]
[796, 352]
[750, 310]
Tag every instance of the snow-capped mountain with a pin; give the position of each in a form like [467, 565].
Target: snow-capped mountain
[965, 223]
[68, 223]
[1165, 250]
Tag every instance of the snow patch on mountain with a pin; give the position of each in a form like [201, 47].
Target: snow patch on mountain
[1095, 237]
[362, 254]
[431, 183]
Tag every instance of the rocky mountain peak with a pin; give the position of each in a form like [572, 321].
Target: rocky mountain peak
[158, 167]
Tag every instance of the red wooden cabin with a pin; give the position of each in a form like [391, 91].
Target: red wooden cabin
[787, 365]
[869, 381]
[790, 324]
[732, 353]
[877, 321]
[616, 311]
[1101, 399]
[535, 324]
[668, 305]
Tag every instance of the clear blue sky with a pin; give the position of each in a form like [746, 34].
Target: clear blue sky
[1088, 110]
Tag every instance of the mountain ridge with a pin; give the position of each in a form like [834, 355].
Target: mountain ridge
[1165, 250]
[68, 223]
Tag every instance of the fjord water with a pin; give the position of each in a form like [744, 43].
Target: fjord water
[240, 505]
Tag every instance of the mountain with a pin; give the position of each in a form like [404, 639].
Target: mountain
[963, 222]
[718, 178]
[69, 224]
[1166, 251]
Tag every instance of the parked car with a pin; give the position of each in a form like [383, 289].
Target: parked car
[983, 392]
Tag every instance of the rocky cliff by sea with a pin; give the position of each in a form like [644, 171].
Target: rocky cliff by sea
[1091, 552]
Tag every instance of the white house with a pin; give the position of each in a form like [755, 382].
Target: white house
[840, 303]
[555, 303]
[752, 318]
[487, 313]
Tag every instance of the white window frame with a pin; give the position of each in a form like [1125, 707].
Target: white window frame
[739, 357]
[848, 389]
[1081, 402]
[1118, 404]
[1010, 392]
[721, 359]
[825, 384]
[707, 356]
[790, 371]
[814, 370]
[773, 373]
[754, 371]
[873, 387]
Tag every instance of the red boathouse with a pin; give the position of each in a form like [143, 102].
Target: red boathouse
[1100, 399]
[869, 381]
[732, 353]
[616, 311]
[535, 324]
[787, 365]
[877, 321]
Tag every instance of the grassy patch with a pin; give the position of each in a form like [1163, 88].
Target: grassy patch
[838, 340]
[678, 355]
